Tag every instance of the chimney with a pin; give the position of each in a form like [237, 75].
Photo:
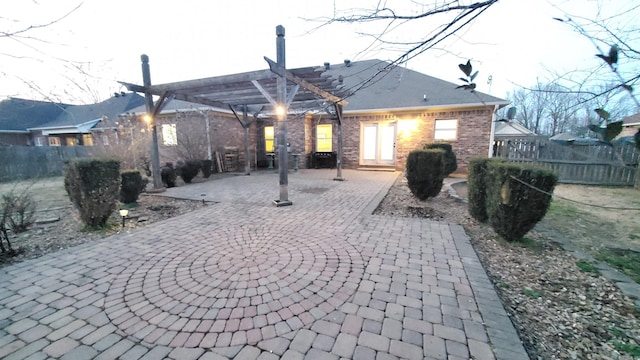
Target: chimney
[340, 79]
[347, 62]
[327, 66]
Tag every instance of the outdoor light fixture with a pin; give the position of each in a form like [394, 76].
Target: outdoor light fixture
[124, 213]
[147, 118]
[280, 110]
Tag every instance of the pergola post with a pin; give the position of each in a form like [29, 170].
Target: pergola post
[245, 126]
[155, 156]
[283, 156]
[339, 155]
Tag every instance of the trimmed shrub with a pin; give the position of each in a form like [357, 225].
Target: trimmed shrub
[514, 203]
[187, 170]
[131, 186]
[92, 186]
[207, 168]
[450, 160]
[168, 175]
[477, 187]
[425, 172]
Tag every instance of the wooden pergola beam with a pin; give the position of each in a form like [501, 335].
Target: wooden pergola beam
[303, 83]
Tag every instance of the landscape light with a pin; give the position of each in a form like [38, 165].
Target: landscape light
[123, 213]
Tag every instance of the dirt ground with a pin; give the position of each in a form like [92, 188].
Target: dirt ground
[560, 311]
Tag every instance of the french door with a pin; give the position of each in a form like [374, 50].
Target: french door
[378, 143]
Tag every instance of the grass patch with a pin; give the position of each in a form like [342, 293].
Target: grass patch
[503, 285]
[531, 293]
[626, 261]
[562, 208]
[630, 349]
[587, 267]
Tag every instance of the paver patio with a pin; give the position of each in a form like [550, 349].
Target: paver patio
[243, 279]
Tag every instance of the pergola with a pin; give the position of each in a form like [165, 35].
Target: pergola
[277, 88]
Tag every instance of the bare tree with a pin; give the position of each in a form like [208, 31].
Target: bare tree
[412, 30]
[78, 83]
[616, 44]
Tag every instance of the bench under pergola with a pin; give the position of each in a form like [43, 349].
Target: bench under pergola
[277, 88]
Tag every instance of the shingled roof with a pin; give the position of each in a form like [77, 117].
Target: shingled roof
[79, 115]
[18, 115]
[378, 85]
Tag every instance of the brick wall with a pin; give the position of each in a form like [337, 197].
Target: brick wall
[414, 129]
[224, 131]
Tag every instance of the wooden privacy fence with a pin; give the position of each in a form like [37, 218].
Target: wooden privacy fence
[594, 163]
[26, 162]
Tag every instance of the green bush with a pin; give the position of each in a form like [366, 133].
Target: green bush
[187, 170]
[92, 186]
[517, 197]
[168, 175]
[425, 172]
[207, 168]
[477, 187]
[131, 186]
[450, 160]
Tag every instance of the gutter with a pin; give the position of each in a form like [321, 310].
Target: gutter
[423, 108]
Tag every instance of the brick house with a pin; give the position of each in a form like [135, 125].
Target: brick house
[391, 111]
[40, 123]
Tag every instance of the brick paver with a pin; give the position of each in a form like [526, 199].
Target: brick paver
[241, 278]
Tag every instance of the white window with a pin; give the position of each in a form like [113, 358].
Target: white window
[71, 141]
[268, 139]
[446, 130]
[169, 134]
[54, 141]
[105, 139]
[324, 138]
[39, 141]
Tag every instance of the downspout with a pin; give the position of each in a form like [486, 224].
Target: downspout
[493, 130]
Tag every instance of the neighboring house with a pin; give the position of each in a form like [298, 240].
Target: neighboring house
[392, 111]
[510, 130]
[86, 125]
[39, 123]
[630, 125]
[18, 115]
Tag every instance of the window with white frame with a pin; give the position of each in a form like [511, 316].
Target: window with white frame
[105, 139]
[169, 134]
[446, 130]
[39, 141]
[54, 141]
[324, 138]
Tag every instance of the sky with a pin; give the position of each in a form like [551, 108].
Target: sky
[95, 43]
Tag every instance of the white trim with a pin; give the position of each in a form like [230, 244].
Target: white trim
[425, 108]
[493, 130]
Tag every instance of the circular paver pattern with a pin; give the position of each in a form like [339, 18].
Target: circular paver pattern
[232, 286]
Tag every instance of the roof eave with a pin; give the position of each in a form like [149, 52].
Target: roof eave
[15, 132]
[430, 107]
